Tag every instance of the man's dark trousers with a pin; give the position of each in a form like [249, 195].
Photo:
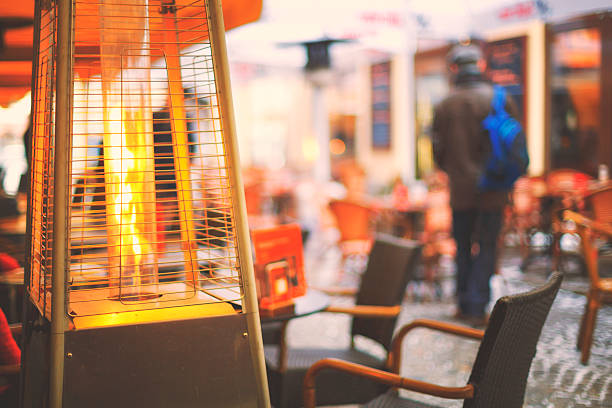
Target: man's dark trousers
[474, 271]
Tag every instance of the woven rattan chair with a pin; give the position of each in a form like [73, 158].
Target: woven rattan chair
[566, 189]
[354, 221]
[600, 203]
[499, 374]
[523, 214]
[437, 234]
[390, 266]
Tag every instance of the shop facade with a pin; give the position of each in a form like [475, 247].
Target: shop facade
[579, 93]
[559, 77]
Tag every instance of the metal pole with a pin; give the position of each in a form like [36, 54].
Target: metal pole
[60, 202]
[322, 170]
[226, 108]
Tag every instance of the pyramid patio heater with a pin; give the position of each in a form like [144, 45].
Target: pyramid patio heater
[140, 288]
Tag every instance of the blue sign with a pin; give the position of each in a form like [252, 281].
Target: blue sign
[381, 105]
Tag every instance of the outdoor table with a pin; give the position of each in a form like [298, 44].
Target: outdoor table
[13, 225]
[12, 240]
[313, 301]
[13, 282]
[13, 237]
[400, 220]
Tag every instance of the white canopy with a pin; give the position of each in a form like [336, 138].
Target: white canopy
[383, 25]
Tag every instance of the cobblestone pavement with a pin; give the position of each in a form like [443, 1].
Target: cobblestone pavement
[557, 379]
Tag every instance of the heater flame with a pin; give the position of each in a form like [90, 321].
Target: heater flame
[129, 145]
[129, 181]
[129, 168]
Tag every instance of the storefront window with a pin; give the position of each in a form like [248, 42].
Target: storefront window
[575, 100]
[430, 89]
[431, 86]
[506, 61]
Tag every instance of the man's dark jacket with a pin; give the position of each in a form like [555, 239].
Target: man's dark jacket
[461, 145]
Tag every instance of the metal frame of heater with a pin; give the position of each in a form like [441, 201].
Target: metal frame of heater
[66, 364]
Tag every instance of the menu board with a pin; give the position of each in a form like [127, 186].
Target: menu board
[381, 105]
[279, 265]
[506, 67]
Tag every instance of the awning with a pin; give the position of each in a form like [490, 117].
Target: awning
[16, 34]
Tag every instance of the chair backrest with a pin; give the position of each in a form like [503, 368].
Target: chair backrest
[253, 198]
[391, 264]
[562, 181]
[438, 214]
[600, 202]
[353, 219]
[525, 195]
[538, 186]
[502, 364]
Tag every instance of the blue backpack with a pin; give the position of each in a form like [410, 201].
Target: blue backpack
[509, 158]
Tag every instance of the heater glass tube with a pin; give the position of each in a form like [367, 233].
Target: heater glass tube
[129, 168]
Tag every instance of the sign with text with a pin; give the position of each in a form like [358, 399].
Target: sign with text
[381, 105]
[279, 265]
[506, 67]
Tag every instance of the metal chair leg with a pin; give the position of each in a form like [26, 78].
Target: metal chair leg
[580, 341]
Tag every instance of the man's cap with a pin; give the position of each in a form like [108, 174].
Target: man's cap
[464, 54]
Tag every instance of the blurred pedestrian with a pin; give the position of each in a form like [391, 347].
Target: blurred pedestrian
[462, 148]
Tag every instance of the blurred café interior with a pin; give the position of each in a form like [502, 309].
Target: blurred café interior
[200, 200]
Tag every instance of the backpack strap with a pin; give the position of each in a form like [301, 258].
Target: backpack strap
[494, 119]
[499, 98]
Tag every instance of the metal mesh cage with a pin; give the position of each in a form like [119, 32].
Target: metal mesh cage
[150, 215]
[43, 112]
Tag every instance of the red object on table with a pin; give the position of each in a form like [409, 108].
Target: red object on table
[7, 263]
[279, 265]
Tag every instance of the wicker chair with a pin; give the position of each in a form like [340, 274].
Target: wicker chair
[567, 189]
[523, 214]
[390, 266]
[600, 203]
[499, 374]
[437, 234]
[354, 221]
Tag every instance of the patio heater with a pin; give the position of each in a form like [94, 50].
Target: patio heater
[140, 286]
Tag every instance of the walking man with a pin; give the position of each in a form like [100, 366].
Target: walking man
[461, 148]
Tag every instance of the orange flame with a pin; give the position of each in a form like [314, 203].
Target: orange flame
[129, 182]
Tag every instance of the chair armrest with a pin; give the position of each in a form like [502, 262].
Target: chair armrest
[358, 310]
[574, 216]
[394, 357]
[580, 219]
[16, 329]
[366, 311]
[9, 370]
[384, 377]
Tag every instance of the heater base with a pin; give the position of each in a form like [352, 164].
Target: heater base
[203, 362]
[190, 363]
